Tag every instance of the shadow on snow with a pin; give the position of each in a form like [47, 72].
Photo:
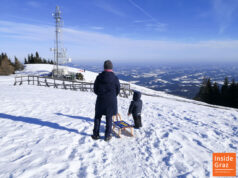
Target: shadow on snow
[35, 121]
[79, 117]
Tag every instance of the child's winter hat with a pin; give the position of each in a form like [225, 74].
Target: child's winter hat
[108, 64]
[136, 95]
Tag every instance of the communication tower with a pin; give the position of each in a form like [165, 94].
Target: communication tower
[59, 52]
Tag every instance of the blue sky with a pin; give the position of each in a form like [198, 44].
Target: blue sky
[123, 30]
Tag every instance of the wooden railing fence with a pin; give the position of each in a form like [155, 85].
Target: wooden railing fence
[65, 84]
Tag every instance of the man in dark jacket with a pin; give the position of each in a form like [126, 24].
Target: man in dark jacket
[135, 109]
[106, 87]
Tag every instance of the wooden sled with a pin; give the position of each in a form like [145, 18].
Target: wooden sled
[121, 125]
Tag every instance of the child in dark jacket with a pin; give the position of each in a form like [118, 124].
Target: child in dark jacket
[135, 109]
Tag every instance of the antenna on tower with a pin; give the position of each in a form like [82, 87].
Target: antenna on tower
[59, 51]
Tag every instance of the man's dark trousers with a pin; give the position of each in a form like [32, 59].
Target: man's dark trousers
[97, 121]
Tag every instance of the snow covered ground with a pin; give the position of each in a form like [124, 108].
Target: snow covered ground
[45, 132]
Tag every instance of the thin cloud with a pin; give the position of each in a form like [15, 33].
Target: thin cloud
[29, 20]
[97, 28]
[142, 21]
[157, 26]
[94, 45]
[34, 4]
[107, 7]
[25, 31]
[142, 10]
[224, 12]
[149, 25]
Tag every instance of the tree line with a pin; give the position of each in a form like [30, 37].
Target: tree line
[36, 59]
[8, 67]
[212, 93]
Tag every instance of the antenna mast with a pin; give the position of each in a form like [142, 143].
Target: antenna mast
[59, 52]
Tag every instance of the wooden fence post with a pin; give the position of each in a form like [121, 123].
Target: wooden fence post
[125, 95]
[46, 83]
[38, 81]
[15, 81]
[21, 81]
[91, 87]
[74, 88]
[55, 86]
[64, 85]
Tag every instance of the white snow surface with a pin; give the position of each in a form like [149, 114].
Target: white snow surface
[45, 132]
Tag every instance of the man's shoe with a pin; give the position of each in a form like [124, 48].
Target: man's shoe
[95, 137]
[108, 138]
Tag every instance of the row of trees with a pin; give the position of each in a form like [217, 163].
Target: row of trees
[31, 59]
[7, 67]
[212, 93]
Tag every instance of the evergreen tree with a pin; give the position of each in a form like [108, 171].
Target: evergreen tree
[28, 59]
[211, 93]
[32, 59]
[37, 55]
[232, 94]
[25, 61]
[208, 91]
[216, 95]
[225, 93]
[205, 91]
[36, 59]
[6, 66]
[236, 96]
[18, 65]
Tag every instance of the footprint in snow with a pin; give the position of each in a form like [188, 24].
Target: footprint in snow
[82, 140]
[199, 143]
[235, 131]
[187, 119]
[234, 117]
[217, 132]
[167, 158]
[72, 154]
[180, 167]
[232, 146]
[214, 123]
[156, 143]
[203, 135]
[82, 172]
[62, 170]
[175, 128]
[166, 135]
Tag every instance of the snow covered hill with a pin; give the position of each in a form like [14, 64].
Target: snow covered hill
[45, 132]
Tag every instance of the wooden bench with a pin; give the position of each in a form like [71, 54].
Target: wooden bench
[121, 125]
